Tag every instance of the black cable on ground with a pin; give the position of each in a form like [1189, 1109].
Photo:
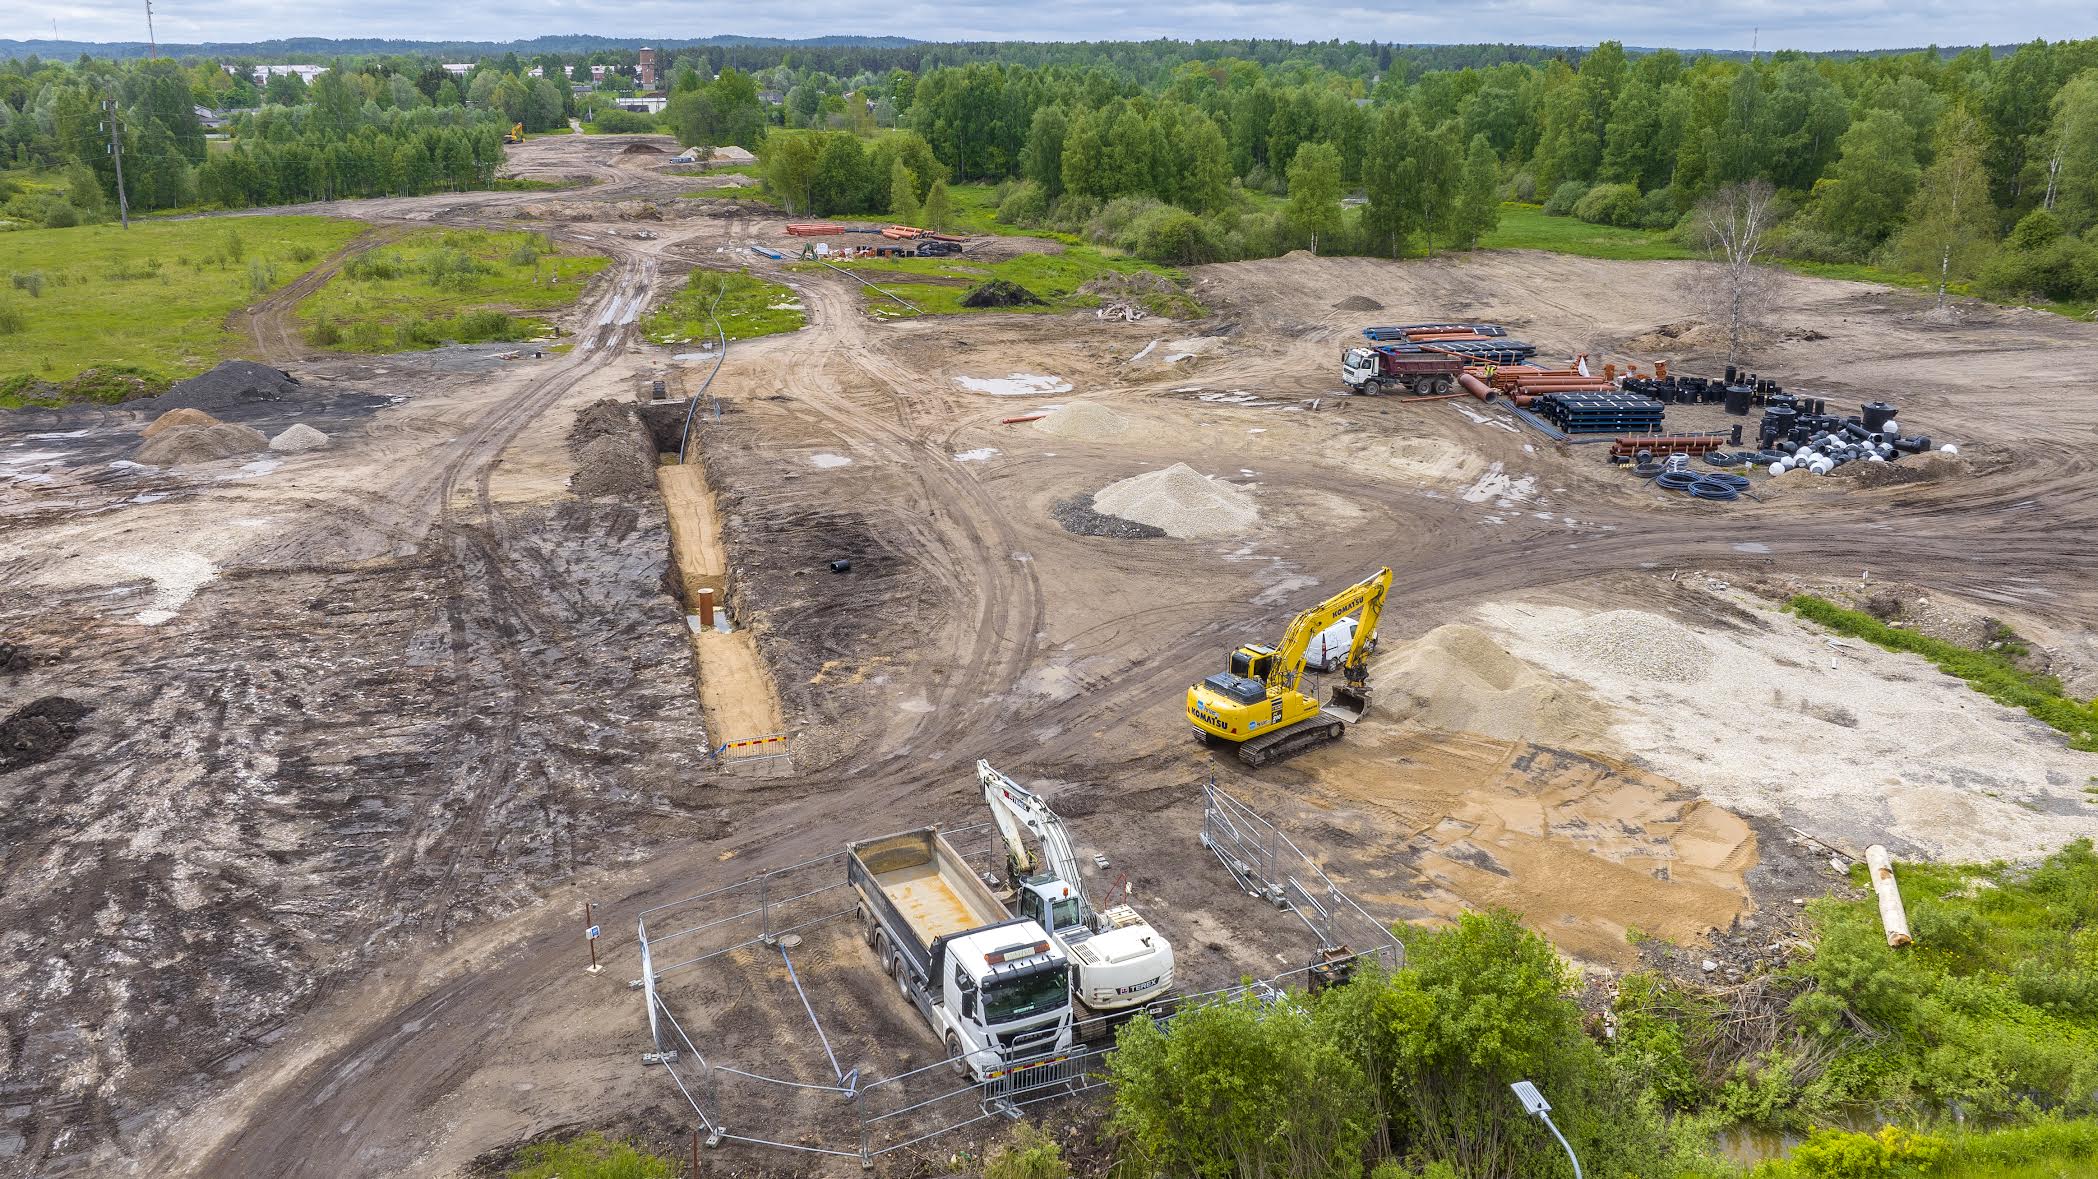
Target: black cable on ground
[1647, 470]
[1707, 489]
[1676, 480]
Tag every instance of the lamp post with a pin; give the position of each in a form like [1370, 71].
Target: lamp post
[1535, 1105]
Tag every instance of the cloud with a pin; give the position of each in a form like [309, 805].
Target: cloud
[1720, 24]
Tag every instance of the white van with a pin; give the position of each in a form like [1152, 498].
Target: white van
[1328, 650]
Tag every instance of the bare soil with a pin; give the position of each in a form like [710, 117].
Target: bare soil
[304, 896]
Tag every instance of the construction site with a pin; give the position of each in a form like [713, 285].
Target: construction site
[808, 749]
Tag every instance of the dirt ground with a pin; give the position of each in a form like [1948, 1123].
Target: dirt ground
[304, 895]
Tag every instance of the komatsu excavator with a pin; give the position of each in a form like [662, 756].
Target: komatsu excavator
[1119, 960]
[1261, 704]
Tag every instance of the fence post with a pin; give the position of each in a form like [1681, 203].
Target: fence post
[765, 908]
[859, 1102]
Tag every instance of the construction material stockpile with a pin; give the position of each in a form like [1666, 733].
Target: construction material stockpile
[1475, 343]
[1820, 442]
[1600, 412]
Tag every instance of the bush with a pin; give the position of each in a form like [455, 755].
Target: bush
[1804, 241]
[372, 266]
[1032, 1154]
[12, 320]
[1025, 204]
[1564, 198]
[1847, 1154]
[1174, 237]
[1117, 218]
[1607, 204]
[1523, 187]
[614, 121]
[2060, 268]
[1657, 210]
[32, 281]
[60, 215]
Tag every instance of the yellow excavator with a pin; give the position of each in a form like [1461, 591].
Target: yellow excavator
[515, 134]
[1261, 705]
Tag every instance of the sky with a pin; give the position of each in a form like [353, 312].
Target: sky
[1695, 24]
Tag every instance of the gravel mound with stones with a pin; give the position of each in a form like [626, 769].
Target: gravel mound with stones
[1077, 515]
[1183, 502]
[178, 417]
[1638, 643]
[299, 439]
[1083, 421]
[199, 444]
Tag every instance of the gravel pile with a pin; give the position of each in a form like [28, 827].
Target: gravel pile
[1358, 303]
[1183, 502]
[1077, 515]
[38, 730]
[175, 418]
[1637, 643]
[232, 384]
[299, 439]
[1457, 678]
[1083, 420]
[199, 444]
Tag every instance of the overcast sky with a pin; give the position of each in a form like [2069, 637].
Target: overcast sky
[1711, 24]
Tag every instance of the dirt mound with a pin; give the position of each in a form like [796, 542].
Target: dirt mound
[641, 149]
[234, 383]
[600, 418]
[998, 292]
[1679, 337]
[178, 417]
[614, 456]
[1358, 303]
[14, 659]
[199, 444]
[1926, 468]
[299, 439]
[1084, 421]
[38, 730]
[1457, 678]
[1183, 502]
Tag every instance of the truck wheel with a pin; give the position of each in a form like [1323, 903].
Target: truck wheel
[1442, 386]
[958, 1062]
[870, 931]
[1424, 387]
[896, 972]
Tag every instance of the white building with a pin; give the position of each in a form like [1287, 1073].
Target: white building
[458, 69]
[306, 73]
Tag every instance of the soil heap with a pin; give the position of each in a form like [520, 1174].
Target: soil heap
[1085, 421]
[1458, 679]
[175, 418]
[38, 730]
[1358, 303]
[232, 384]
[998, 292]
[1183, 502]
[613, 454]
[199, 444]
[299, 439]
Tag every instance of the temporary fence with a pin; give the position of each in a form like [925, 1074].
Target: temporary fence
[814, 1092]
[766, 753]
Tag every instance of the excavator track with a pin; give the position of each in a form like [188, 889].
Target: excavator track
[1296, 738]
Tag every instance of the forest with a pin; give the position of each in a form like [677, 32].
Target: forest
[1976, 168]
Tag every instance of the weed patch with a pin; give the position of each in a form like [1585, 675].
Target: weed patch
[748, 307]
[445, 286]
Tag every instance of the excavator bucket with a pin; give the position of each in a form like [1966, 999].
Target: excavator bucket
[1349, 701]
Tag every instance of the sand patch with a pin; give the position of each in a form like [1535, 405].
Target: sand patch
[1015, 385]
[1083, 421]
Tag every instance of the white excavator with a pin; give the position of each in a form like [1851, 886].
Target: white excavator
[1118, 960]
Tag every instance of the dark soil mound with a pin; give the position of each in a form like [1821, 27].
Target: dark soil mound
[1078, 516]
[231, 385]
[998, 292]
[641, 149]
[1358, 303]
[14, 659]
[38, 730]
[614, 454]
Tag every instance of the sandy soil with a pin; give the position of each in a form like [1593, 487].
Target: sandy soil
[303, 897]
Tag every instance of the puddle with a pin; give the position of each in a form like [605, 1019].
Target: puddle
[1015, 385]
[1751, 546]
[979, 455]
[828, 461]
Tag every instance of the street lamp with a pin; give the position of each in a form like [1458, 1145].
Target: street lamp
[1535, 1105]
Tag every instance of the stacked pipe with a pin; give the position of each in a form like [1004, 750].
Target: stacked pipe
[1480, 343]
[1600, 412]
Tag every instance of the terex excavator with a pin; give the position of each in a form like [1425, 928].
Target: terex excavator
[1120, 961]
[1261, 706]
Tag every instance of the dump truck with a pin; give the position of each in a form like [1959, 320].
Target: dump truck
[1422, 372]
[995, 988]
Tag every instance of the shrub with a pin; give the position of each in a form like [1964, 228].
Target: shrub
[1657, 210]
[1803, 240]
[1564, 198]
[32, 281]
[1174, 237]
[1032, 1154]
[452, 269]
[1847, 1154]
[302, 253]
[261, 277]
[60, 215]
[324, 333]
[1608, 204]
[1025, 204]
[1523, 187]
[2060, 268]
[373, 265]
[12, 321]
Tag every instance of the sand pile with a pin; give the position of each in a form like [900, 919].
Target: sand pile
[1084, 421]
[178, 417]
[1182, 502]
[299, 439]
[1457, 678]
[1636, 643]
[1922, 469]
[199, 444]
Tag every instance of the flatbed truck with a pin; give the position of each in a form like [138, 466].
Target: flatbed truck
[995, 988]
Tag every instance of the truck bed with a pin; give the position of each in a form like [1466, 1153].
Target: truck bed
[930, 903]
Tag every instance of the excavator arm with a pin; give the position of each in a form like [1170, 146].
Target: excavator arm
[1364, 599]
[1017, 809]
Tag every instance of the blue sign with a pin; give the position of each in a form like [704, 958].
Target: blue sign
[592, 934]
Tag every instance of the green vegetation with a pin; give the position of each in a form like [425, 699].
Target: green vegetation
[936, 285]
[748, 307]
[1994, 672]
[153, 299]
[440, 286]
[1529, 227]
[1032, 1154]
[592, 1156]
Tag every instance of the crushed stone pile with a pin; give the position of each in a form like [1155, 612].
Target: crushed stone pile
[37, 731]
[232, 384]
[199, 444]
[1183, 502]
[1456, 678]
[1641, 644]
[1077, 516]
[175, 418]
[1084, 421]
[299, 439]
[1358, 303]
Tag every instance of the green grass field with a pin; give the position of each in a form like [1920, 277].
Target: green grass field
[1527, 227]
[439, 286]
[1053, 278]
[154, 297]
[749, 307]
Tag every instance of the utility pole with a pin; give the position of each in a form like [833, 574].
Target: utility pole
[116, 153]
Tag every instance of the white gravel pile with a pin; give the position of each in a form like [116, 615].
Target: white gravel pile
[1084, 421]
[298, 439]
[1181, 501]
[1637, 643]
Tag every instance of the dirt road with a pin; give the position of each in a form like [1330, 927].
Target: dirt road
[542, 741]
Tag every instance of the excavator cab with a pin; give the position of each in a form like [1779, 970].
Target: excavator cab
[1252, 662]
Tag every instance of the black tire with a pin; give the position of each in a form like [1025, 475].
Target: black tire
[1424, 387]
[870, 930]
[1442, 386]
[959, 1063]
[897, 972]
